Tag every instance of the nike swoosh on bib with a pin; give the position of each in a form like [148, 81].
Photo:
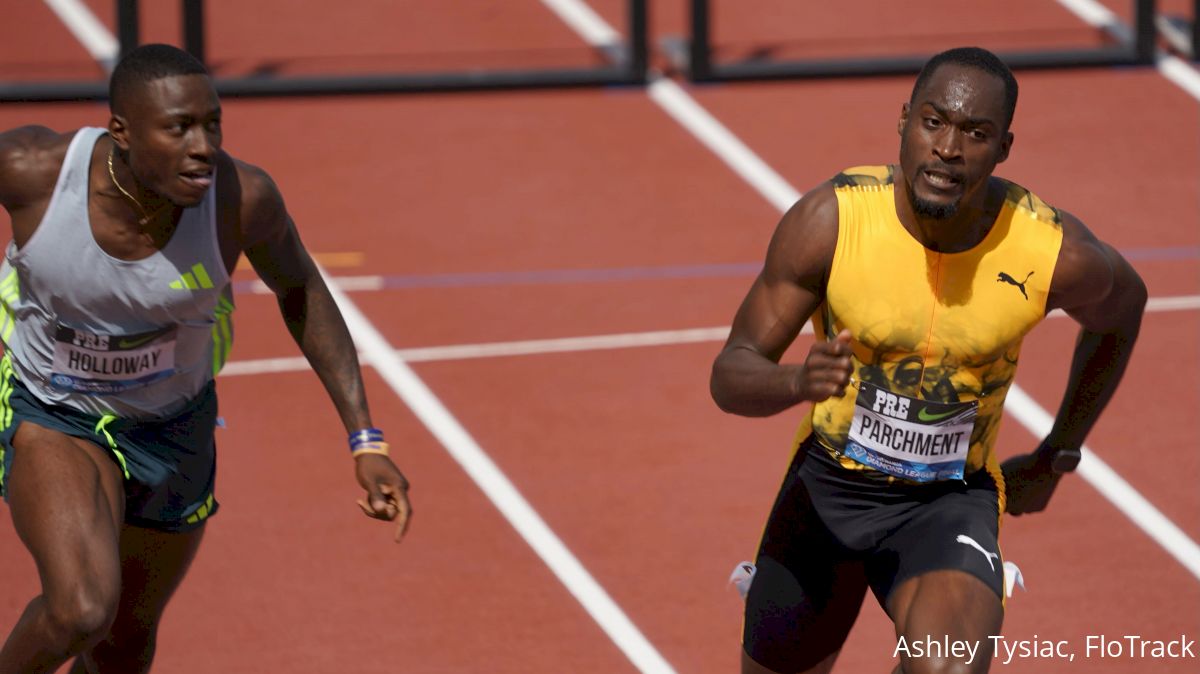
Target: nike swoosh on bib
[134, 343]
[924, 415]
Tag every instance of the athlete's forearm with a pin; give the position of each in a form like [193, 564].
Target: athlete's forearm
[748, 384]
[313, 319]
[1096, 369]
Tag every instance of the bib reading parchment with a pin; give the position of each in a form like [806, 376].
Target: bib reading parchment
[908, 437]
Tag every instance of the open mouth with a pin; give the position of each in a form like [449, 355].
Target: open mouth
[941, 180]
[200, 180]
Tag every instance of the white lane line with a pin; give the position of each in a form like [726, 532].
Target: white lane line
[498, 488]
[1180, 74]
[86, 28]
[500, 349]
[722, 142]
[1179, 303]
[1111, 485]
[1171, 67]
[581, 19]
[1094, 14]
[687, 112]
[628, 340]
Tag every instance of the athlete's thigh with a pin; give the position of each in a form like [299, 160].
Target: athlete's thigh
[941, 575]
[807, 589]
[66, 499]
[947, 605]
[153, 564]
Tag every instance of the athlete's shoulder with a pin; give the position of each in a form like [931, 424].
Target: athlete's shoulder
[1092, 281]
[30, 160]
[34, 138]
[864, 177]
[803, 244]
[253, 181]
[816, 211]
[246, 187]
[1024, 201]
[251, 204]
[1083, 259]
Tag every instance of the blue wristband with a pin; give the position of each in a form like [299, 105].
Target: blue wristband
[365, 436]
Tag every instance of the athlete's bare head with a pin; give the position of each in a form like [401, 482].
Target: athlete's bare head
[955, 129]
[979, 59]
[166, 122]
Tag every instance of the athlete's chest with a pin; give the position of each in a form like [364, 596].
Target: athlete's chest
[972, 307]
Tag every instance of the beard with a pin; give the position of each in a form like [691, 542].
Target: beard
[931, 210]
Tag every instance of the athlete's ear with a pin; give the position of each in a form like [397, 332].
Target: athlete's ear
[1005, 146]
[903, 119]
[118, 130]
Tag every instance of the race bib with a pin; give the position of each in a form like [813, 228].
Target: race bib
[104, 364]
[910, 438]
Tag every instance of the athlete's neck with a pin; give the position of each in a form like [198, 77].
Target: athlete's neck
[963, 230]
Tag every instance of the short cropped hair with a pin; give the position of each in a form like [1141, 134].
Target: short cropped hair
[980, 59]
[147, 63]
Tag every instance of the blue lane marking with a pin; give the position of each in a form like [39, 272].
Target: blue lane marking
[551, 276]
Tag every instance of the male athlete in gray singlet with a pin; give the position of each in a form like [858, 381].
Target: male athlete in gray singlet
[115, 313]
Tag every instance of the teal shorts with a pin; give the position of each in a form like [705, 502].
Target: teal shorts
[169, 464]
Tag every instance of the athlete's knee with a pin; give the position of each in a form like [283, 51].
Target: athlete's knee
[81, 616]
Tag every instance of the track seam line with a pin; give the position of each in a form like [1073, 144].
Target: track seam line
[626, 340]
[710, 132]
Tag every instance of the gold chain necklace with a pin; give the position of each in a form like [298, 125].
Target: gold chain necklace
[146, 217]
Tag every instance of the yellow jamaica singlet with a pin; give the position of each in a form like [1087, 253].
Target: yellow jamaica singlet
[935, 336]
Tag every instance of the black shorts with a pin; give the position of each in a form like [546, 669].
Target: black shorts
[835, 532]
[169, 464]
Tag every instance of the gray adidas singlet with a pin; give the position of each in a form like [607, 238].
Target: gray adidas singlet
[137, 339]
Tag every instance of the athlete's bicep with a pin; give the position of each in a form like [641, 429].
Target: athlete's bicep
[269, 237]
[791, 284]
[771, 315]
[1095, 284]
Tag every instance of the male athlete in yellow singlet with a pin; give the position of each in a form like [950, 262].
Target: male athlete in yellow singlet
[921, 280]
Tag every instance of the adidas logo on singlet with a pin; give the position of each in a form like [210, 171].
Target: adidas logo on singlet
[196, 279]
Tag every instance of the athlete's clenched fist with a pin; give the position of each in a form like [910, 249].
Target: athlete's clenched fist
[826, 372]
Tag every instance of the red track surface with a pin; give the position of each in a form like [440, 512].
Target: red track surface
[622, 452]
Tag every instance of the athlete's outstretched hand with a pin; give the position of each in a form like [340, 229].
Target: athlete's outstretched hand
[826, 371]
[387, 491]
[1028, 483]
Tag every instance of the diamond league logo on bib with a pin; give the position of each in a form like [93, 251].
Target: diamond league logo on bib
[911, 438]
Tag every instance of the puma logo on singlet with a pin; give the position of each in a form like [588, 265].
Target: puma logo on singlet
[967, 540]
[1005, 278]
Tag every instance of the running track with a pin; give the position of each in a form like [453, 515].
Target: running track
[501, 219]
